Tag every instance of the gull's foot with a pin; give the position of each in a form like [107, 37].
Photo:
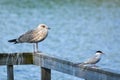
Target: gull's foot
[37, 52]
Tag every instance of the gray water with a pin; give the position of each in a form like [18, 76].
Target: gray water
[78, 29]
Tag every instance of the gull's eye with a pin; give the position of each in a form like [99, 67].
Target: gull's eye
[43, 26]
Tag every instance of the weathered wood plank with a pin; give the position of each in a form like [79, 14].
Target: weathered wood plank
[10, 72]
[52, 63]
[45, 74]
[87, 73]
[16, 58]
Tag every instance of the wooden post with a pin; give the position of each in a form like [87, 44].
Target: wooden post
[45, 74]
[10, 74]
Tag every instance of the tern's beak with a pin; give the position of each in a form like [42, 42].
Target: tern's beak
[103, 53]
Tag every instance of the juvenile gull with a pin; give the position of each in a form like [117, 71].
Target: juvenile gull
[93, 60]
[33, 36]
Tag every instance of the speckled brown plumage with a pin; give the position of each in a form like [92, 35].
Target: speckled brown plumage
[33, 36]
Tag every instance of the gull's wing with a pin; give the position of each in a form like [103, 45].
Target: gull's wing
[33, 36]
[27, 36]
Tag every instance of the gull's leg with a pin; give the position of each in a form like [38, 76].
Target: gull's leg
[34, 49]
[37, 47]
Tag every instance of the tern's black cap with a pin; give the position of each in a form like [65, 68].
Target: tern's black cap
[99, 52]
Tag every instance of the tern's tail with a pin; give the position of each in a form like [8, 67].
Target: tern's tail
[78, 64]
[13, 40]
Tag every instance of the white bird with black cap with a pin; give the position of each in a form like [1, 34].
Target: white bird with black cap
[93, 60]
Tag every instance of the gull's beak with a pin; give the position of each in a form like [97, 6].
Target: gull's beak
[48, 28]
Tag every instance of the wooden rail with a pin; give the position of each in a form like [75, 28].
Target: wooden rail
[48, 63]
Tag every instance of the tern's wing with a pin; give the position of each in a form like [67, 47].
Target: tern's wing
[92, 60]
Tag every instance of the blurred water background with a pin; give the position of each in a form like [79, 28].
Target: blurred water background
[78, 29]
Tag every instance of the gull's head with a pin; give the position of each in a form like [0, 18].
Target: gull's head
[43, 26]
[99, 52]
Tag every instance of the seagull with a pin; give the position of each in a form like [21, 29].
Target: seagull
[93, 60]
[33, 36]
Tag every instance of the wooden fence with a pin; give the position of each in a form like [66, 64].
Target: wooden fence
[48, 63]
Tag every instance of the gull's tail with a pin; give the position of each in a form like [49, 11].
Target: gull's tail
[13, 40]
